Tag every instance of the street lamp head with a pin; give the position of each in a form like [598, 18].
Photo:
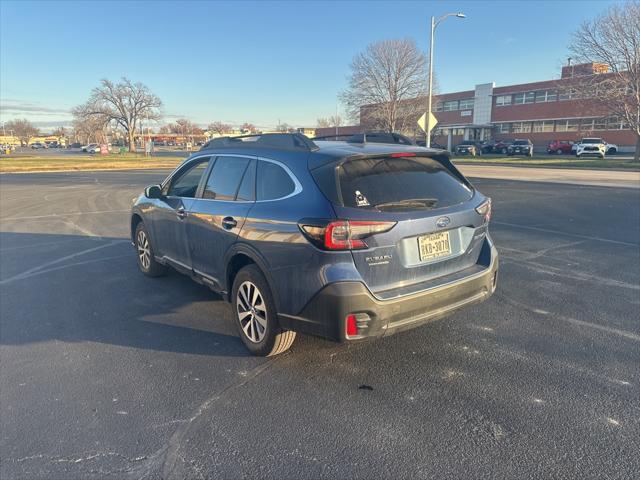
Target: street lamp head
[461, 15]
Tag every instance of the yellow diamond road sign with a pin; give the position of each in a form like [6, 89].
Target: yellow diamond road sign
[423, 120]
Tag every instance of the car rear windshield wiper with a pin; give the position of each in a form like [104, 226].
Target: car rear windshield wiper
[417, 203]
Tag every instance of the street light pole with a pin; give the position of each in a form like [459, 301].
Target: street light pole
[434, 24]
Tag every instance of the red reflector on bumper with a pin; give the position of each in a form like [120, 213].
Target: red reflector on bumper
[352, 326]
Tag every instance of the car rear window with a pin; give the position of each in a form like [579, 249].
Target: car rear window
[393, 184]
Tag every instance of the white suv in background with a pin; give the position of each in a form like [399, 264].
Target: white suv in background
[591, 146]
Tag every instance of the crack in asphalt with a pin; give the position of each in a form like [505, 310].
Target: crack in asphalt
[573, 321]
[171, 451]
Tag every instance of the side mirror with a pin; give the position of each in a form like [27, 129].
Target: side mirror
[153, 191]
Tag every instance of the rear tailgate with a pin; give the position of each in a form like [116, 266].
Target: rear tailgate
[437, 232]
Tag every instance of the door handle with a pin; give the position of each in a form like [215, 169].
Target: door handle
[181, 213]
[228, 223]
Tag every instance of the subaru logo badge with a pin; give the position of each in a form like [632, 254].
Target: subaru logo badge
[443, 222]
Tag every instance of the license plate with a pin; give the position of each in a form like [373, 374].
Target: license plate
[434, 245]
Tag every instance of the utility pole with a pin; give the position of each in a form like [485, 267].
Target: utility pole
[434, 24]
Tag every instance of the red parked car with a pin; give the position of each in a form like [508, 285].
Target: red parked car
[561, 147]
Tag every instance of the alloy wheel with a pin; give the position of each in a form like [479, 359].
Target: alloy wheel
[144, 252]
[252, 312]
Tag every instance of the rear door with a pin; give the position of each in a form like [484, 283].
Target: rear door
[218, 214]
[438, 232]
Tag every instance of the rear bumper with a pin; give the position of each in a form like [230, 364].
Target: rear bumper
[325, 315]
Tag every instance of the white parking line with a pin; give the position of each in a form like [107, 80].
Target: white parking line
[53, 215]
[37, 269]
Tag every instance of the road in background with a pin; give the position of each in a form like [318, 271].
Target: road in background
[105, 372]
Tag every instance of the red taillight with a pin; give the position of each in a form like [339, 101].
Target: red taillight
[344, 234]
[484, 209]
[351, 326]
[402, 154]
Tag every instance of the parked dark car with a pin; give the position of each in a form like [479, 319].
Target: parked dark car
[502, 146]
[340, 240]
[468, 147]
[521, 147]
[423, 143]
[560, 147]
[75, 145]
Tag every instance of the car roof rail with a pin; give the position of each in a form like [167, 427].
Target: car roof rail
[284, 141]
[334, 137]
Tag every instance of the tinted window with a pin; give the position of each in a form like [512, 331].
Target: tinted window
[247, 190]
[273, 181]
[400, 184]
[185, 183]
[225, 178]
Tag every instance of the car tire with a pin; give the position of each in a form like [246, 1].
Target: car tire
[612, 151]
[146, 259]
[256, 316]
[559, 151]
[578, 155]
[503, 151]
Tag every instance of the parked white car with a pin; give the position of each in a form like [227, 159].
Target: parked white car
[612, 148]
[591, 146]
[88, 148]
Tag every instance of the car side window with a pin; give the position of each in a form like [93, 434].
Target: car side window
[247, 190]
[273, 181]
[185, 183]
[225, 177]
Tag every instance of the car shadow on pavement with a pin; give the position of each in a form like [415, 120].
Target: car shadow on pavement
[70, 288]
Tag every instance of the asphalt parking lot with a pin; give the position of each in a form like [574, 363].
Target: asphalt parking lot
[108, 374]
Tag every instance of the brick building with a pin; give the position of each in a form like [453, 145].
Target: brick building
[540, 111]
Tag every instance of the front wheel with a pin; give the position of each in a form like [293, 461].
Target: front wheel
[146, 259]
[559, 151]
[256, 316]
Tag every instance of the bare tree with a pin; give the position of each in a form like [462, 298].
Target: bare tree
[89, 129]
[219, 127]
[22, 128]
[60, 132]
[323, 123]
[386, 84]
[183, 126]
[335, 121]
[126, 103]
[613, 39]
[248, 128]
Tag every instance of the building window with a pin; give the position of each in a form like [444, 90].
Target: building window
[466, 104]
[600, 124]
[524, 97]
[503, 128]
[439, 107]
[586, 124]
[503, 100]
[543, 126]
[568, 94]
[450, 106]
[521, 127]
[546, 96]
[614, 123]
[567, 125]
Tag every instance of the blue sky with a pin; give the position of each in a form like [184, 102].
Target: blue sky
[261, 61]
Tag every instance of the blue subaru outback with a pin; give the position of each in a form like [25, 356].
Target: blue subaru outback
[347, 241]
